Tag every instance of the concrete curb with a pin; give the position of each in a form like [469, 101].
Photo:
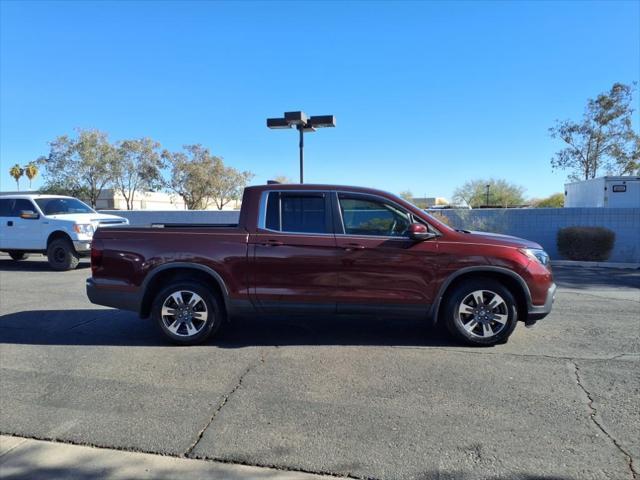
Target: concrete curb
[572, 263]
[43, 460]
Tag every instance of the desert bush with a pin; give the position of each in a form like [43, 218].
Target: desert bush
[586, 243]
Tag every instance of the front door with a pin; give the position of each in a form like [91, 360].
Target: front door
[15, 232]
[382, 269]
[294, 256]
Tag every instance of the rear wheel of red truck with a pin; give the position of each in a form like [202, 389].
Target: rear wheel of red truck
[187, 312]
[480, 312]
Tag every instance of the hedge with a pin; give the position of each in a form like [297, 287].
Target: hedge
[586, 243]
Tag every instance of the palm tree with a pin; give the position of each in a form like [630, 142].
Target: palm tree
[31, 170]
[16, 172]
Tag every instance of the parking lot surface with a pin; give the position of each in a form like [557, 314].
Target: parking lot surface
[359, 397]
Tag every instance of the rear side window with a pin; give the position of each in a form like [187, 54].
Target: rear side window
[297, 212]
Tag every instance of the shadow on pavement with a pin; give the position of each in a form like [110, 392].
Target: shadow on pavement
[585, 278]
[81, 463]
[36, 266]
[118, 328]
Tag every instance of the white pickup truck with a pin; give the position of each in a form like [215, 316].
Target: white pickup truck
[56, 226]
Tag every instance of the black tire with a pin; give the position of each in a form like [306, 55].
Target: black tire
[180, 334]
[61, 255]
[18, 255]
[480, 314]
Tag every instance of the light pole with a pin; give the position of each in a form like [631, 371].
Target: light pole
[302, 124]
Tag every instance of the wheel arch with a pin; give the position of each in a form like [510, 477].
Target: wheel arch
[56, 234]
[510, 279]
[181, 271]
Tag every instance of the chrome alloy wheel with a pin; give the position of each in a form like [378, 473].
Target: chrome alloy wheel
[483, 313]
[184, 313]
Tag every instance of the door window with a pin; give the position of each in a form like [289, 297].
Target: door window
[297, 212]
[11, 207]
[5, 207]
[367, 216]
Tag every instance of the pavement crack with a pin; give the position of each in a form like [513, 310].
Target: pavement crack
[598, 424]
[195, 457]
[224, 401]
[82, 323]
[282, 468]
[521, 355]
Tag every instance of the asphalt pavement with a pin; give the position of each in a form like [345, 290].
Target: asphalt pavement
[360, 397]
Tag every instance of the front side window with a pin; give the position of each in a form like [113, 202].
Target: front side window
[365, 216]
[19, 205]
[62, 206]
[5, 207]
[296, 212]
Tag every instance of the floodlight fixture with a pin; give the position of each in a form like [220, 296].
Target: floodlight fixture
[296, 118]
[303, 124]
[278, 123]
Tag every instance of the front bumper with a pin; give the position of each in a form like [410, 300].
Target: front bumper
[82, 246]
[538, 312]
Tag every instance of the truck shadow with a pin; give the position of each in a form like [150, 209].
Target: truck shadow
[35, 265]
[117, 328]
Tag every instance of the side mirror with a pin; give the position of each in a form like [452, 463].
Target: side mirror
[29, 215]
[419, 232]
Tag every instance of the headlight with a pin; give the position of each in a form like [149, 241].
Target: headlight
[84, 229]
[536, 254]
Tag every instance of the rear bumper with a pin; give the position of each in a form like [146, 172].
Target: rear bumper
[538, 312]
[110, 297]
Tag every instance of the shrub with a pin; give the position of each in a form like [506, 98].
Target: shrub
[586, 243]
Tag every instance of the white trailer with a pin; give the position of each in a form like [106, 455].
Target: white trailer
[607, 192]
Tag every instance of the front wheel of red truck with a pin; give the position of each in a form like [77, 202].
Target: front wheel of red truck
[187, 312]
[481, 312]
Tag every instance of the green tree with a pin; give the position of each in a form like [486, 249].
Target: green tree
[603, 140]
[500, 193]
[85, 163]
[16, 172]
[31, 171]
[552, 201]
[137, 166]
[58, 188]
[406, 195]
[227, 184]
[283, 179]
[191, 172]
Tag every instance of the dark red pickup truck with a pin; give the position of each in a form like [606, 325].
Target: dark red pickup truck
[302, 249]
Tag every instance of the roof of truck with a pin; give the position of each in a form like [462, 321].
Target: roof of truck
[31, 195]
[314, 186]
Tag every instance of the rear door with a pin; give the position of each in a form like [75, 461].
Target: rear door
[382, 270]
[295, 259]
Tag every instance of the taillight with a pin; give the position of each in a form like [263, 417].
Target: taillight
[96, 256]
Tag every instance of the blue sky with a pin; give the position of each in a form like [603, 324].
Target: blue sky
[427, 95]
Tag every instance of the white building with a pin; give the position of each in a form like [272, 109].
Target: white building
[612, 192]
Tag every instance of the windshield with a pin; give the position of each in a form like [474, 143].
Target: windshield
[62, 206]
